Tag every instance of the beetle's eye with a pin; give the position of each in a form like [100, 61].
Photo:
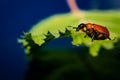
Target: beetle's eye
[82, 25]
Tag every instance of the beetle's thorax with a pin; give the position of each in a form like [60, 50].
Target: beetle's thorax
[89, 26]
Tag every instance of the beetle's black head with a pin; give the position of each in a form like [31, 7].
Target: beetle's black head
[80, 26]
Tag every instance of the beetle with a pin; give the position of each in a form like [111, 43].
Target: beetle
[94, 31]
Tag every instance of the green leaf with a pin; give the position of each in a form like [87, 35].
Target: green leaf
[57, 26]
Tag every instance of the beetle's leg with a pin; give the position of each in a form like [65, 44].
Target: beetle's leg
[100, 36]
[109, 38]
[85, 34]
[93, 37]
[93, 34]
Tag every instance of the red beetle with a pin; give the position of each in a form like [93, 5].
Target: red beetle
[94, 31]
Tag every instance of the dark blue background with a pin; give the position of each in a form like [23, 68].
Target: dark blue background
[20, 15]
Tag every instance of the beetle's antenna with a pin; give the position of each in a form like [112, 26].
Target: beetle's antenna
[72, 27]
